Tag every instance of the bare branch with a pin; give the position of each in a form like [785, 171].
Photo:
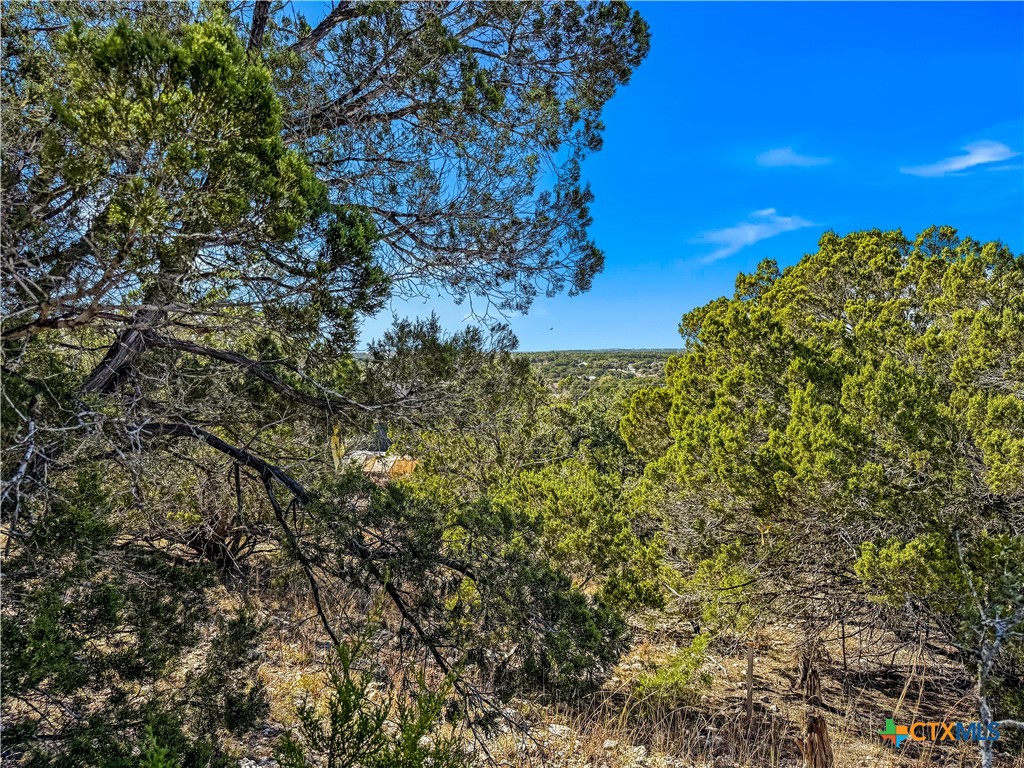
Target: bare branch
[331, 401]
[342, 12]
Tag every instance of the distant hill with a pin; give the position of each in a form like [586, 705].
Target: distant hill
[557, 365]
[593, 364]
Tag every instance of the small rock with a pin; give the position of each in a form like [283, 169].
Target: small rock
[610, 744]
[558, 730]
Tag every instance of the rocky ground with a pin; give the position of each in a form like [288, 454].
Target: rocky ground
[858, 686]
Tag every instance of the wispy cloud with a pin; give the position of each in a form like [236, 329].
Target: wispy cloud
[785, 156]
[760, 225]
[978, 153]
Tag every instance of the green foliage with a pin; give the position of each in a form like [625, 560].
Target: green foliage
[585, 528]
[645, 426]
[837, 387]
[586, 424]
[973, 587]
[725, 588]
[92, 622]
[857, 412]
[208, 117]
[573, 370]
[226, 690]
[475, 576]
[503, 93]
[201, 203]
[354, 728]
[557, 461]
[155, 756]
[498, 427]
[159, 131]
[677, 680]
[923, 568]
[952, 575]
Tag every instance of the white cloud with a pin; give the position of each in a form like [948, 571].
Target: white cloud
[760, 225]
[784, 157]
[978, 153]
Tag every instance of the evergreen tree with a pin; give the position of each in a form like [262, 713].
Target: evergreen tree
[853, 427]
[200, 204]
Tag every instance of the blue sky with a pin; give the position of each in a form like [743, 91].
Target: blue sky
[752, 128]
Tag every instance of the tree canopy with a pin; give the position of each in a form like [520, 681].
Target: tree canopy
[201, 205]
[851, 429]
[201, 202]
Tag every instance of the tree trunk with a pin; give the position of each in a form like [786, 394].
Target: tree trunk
[984, 744]
[817, 744]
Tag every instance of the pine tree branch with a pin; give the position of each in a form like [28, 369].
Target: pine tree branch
[342, 12]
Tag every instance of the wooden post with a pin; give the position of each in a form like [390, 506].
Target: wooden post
[842, 623]
[750, 682]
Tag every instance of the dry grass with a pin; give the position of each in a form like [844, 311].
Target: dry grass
[883, 677]
[877, 677]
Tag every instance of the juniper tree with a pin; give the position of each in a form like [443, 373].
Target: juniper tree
[200, 204]
[852, 427]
